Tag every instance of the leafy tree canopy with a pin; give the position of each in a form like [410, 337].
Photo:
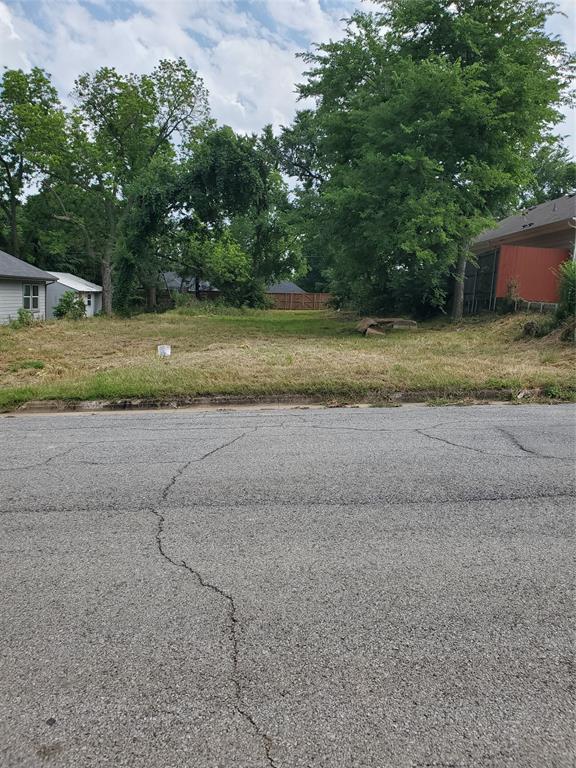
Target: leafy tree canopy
[427, 114]
[31, 133]
[553, 174]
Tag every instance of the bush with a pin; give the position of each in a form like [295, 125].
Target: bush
[567, 280]
[71, 306]
[230, 268]
[536, 329]
[188, 304]
[24, 319]
[184, 299]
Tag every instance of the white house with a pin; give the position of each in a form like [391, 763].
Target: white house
[90, 292]
[22, 286]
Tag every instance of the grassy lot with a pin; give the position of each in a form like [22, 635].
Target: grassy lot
[275, 353]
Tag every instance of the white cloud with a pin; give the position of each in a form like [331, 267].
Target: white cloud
[563, 23]
[245, 51]
[11, 43]
[249, 69]
[309, 17]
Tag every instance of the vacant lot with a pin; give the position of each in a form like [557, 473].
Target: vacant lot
[275, 353]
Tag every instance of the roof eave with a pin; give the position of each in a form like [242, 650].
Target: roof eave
[20, 278]
[520, 235]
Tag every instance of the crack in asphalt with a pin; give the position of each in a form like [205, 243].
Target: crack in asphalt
[530, 453]
[455, 445]
[230, 602]
[39, 464]
[76, 446]
[514, 440]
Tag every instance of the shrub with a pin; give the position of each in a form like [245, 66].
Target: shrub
[23, 319]
[567, 280]
[71, 306]
[538, 328]
[230, 268]
[184, 299]
[188, 304]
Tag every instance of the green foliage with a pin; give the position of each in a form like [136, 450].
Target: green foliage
[553, 174]
[121, 133]
[24, 365]
[31, 132]
[539, 328]
[230, 269]
[567, 289]
[300, 151]
[24, 318]
[70, 306]
[558, 392]
[223, 215]
[136, 116]
[427, 115]
[190, 306]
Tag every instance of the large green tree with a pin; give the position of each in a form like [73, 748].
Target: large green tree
[31, 133]
[121, 126]
[426, 116]
[64, 228]
[224, 213]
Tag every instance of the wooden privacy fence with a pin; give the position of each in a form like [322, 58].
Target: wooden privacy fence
[300, 300]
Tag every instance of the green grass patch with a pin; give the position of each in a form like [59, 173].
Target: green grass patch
[23, 365]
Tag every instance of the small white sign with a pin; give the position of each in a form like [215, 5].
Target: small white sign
[164, 350]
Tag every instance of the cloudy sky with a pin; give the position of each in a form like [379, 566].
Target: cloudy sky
[244, 49]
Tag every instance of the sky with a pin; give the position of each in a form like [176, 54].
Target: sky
[245, 50]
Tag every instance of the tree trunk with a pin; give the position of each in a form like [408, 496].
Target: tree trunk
[458, 298]
[150, 297]
[14, 228]
[107, 289]
[106, 266]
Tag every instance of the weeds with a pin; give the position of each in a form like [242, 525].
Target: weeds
[23, 365]
[567, 286]
[24, 319]
[192, 307]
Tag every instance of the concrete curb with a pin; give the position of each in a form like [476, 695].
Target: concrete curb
[287, 400]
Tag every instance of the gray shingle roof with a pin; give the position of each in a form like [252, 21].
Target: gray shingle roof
[15, 268]
[285, 287]
[551, 212]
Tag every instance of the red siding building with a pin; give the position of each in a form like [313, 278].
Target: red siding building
[521, 256]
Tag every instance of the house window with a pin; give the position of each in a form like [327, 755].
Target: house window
[88, 299]
[31, 296]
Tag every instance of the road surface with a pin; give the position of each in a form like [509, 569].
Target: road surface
[375, 588]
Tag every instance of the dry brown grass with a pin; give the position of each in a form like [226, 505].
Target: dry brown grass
[273, 353]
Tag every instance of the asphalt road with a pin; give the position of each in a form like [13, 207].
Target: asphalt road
[375, 588]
